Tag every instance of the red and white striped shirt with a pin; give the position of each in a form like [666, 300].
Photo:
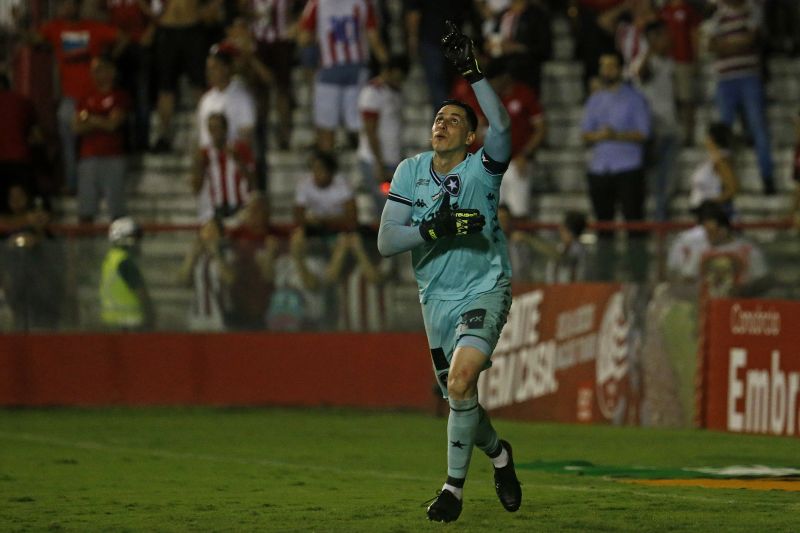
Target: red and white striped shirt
[272, 19]
[341, 27]
[632, 44]
[732, 25]
[225, 186]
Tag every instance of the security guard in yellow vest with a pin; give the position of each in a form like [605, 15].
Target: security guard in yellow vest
[124, 300]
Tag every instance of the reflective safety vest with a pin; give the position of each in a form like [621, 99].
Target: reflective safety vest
[120, 306]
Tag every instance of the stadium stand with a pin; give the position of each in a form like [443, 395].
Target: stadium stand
[160, 193]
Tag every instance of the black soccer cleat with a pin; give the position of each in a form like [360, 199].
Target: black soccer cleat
[445, 507]
[506, 483]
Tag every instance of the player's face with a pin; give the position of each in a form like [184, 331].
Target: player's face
[451, 130]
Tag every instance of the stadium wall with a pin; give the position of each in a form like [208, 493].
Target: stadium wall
[751, 367]
[387, 370]
[568, 353]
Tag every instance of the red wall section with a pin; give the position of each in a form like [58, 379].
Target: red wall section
[365, 370]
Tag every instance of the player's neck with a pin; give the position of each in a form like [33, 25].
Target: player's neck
[444, 162]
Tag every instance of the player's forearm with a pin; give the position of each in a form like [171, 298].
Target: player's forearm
[497, 142]
[394, 238]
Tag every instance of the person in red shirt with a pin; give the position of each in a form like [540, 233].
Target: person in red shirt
[528, 129]
[74, 42]
[99, 121]
[224, 172]
[683, 24]
[19, 125]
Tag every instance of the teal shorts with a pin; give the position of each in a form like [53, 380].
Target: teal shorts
[447, 321]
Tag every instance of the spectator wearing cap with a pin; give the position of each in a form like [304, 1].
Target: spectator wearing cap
[346, 32]
[227, 94]
[99, 120]
[616, 124]
[125, 303]
[735, 40]
[380, 140]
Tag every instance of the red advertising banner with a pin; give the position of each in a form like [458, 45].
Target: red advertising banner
[752, 366]
[566, 354]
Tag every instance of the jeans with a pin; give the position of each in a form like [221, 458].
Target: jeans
[436, 77]
[66, 114]
[747, 94]
[662, 173]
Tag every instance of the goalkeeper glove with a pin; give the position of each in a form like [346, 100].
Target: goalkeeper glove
[460, 51]
[448, 221]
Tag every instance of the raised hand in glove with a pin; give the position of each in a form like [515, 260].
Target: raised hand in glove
[460, 51]
[448, 221]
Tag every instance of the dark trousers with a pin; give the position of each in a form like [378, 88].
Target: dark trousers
[628, 191]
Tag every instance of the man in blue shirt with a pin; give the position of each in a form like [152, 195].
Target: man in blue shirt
[439, 203]
[616, 123]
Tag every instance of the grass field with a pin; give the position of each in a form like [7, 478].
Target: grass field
[336, 470]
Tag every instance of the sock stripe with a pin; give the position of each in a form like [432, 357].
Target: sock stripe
[463, 410]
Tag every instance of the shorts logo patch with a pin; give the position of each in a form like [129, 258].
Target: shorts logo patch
[474, 319]
[452, 184]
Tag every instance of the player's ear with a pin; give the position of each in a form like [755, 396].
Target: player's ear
[470, 138]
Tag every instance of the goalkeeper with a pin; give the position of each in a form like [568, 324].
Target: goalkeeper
[443, 207]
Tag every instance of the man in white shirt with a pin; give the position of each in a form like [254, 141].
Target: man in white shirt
[227, 95]
[380, 140]
[324, 201]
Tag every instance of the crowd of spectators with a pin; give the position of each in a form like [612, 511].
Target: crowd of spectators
[123, 66]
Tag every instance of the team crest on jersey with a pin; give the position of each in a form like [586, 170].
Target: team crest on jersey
[452, 184]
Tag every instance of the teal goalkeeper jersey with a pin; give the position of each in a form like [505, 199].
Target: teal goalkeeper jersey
[452, 268]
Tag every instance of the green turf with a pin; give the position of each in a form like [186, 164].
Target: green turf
[349, 471]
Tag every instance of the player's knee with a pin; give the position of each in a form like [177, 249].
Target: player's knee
[461, 383]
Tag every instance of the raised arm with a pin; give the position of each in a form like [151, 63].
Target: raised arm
[497, 143]
[460, 51]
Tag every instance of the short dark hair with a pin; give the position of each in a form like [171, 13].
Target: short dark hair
[218, 116]
[327, 159]
[223, 52]
[617, 54]
[496, 67]
[721, 134]
[399, 62]
[656, 25]
[472, 118]
[575, 222]
[711, 210]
